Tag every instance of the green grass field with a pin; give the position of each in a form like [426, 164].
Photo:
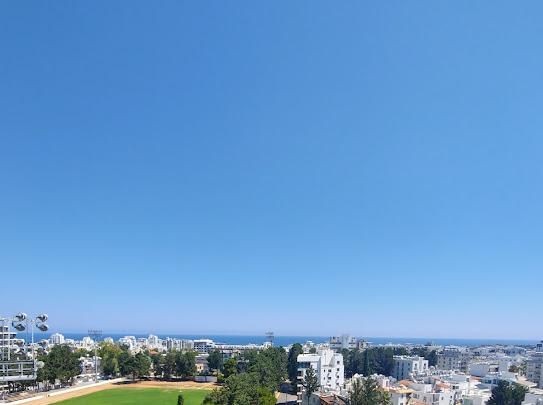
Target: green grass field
[140, 396]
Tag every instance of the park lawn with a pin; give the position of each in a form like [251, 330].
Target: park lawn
[139, 396]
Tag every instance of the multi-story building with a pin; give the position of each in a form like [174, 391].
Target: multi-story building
[56, 339]
[8, 340]
[405, 366]
[347, 342]
[338, 343]
[533, 399]
[453, 359]
[328, 367]
[204, 345]
[177, 344]
[482, 368]
[534, 366]
[434, 398]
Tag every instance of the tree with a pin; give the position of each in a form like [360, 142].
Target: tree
[61, 363]
[185, 364]
[190, 363]
[169, 365]
[215, 360]
[266, 397]
[143, 364]
[367, 392]
[241, 389]
[432, 358]
[126, 363]
[109, 354]
[506, 393]
[230, 367]
[180, 399]
[292, 363]
[310, 382]
[366, 366]
[270, 365]
[514, 368]
[157, 363]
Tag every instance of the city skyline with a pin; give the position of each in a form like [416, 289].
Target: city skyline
[303, 167]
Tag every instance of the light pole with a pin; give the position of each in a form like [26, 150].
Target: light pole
[21, 322]
[25, 369]
[95, 334]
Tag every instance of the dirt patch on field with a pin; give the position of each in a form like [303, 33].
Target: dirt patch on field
[180, 385]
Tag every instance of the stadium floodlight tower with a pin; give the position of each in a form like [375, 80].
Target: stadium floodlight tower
[95, 334]
[270, 337]
[14, 368]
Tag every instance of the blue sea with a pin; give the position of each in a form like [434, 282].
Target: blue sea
[288, 340]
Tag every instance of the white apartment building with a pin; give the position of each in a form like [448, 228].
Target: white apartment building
[434, 398]
[129, 341]
[405, 366]
[482, 368]
[534, 366]
[177, 344]
[338, 343]
[57, 339]
[533, 399]
[204, 345]
[328, 367]
[400, 395]
[453, 359]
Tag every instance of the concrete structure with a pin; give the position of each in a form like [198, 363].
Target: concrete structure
[483, 368]
[434, 398]
[328, 367]
[453, 359]
[204, 345]
[56, 339]
[406, 366]
[338, 343]
[533, 399]
[534, 366]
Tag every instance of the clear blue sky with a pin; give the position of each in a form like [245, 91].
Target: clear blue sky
[308, 167]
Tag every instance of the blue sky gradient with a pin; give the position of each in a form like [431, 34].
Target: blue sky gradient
[305, 167]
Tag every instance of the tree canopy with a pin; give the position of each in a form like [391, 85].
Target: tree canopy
[366, 392]
[506, 393]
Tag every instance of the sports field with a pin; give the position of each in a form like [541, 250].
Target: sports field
[140, 396]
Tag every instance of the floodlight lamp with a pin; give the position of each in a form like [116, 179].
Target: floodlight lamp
[19, 326]
[20, 317]
[43, 327]
[42, 317]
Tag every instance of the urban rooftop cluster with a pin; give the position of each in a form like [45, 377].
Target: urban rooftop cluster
[329, 373]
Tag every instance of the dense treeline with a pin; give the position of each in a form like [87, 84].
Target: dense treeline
[375, 360]
[117, 360]
[380, 360]
[253, 380]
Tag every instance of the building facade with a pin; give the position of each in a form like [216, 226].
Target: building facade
[405, 366]
[534, 366]
[453, 359]
[328, 367]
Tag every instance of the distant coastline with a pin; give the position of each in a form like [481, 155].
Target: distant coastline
[288, 340]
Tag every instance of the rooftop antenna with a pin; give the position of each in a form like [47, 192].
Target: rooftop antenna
[269, 337]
